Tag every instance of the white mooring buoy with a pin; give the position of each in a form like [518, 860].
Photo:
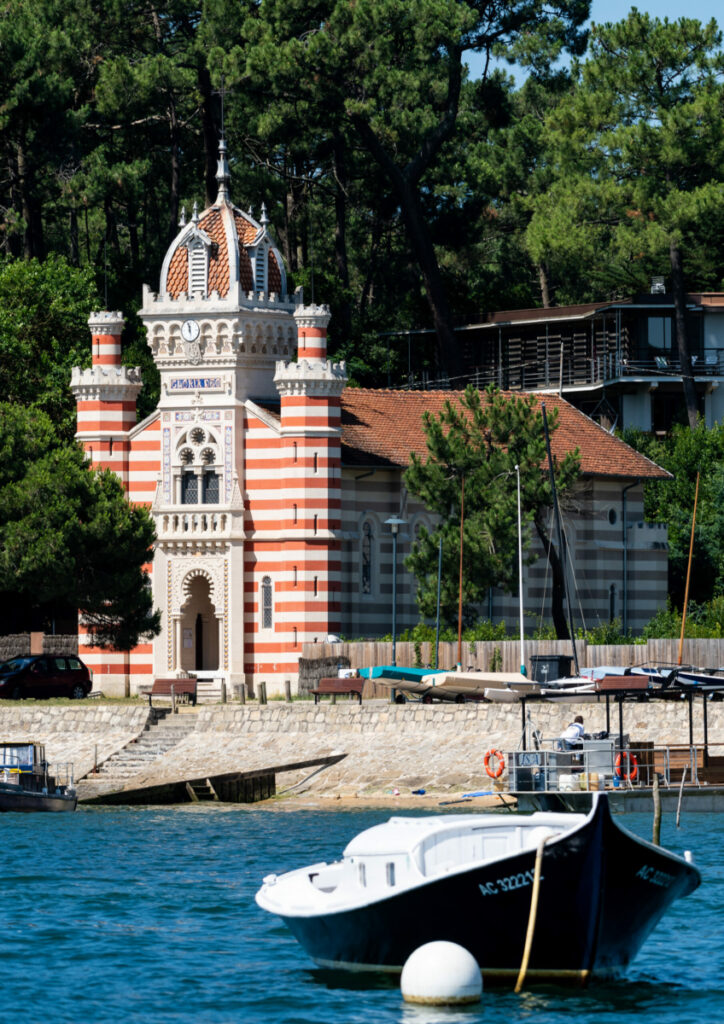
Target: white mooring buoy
[441, 973]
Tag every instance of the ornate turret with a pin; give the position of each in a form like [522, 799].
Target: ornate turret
[106, 396]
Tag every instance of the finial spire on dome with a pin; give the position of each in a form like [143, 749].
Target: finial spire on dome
[264, 219]
[223, 175]
[182, 220]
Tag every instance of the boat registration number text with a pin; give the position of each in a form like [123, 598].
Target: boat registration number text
[654, 876]
[507, 884]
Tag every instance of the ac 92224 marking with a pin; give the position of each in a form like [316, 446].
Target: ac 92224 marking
[507, 884]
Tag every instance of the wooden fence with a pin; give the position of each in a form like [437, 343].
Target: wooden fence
[505, 654]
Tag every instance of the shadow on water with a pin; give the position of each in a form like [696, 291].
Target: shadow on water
[352, 981]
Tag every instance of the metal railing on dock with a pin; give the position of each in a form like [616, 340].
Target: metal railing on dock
[603, 764]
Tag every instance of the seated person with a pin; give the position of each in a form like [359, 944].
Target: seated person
[572, 736]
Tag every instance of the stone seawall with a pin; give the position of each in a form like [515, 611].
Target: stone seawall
[436, 747]
[74, 734]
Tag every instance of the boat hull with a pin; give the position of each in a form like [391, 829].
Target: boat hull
[602, 891]
[14, 798]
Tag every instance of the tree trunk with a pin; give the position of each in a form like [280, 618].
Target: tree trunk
[73, 244]
[33, 247]
[173, 211]
[448, 347]
[558, 590]
[344, 311]
[12, 239]
[405, 185]
[211, 137]
[545, 294]
[132, 215]
[687, 377]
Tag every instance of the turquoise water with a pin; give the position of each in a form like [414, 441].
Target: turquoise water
[124, 915]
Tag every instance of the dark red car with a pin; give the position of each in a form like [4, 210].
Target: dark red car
[44, 676]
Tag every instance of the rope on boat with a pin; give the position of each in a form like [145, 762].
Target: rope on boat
[533, 913]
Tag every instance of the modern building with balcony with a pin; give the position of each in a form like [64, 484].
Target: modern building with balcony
[616, 361]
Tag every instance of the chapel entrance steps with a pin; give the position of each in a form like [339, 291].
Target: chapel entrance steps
[162, 732]
[209, 690]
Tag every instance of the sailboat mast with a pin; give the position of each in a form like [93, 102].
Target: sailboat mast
[688, 573]
[559, 534]
[520, 579]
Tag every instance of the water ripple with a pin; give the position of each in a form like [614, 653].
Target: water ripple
[118, 915]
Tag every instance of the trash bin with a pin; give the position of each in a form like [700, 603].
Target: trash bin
[546, 667]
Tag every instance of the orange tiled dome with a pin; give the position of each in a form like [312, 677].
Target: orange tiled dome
[220, 247]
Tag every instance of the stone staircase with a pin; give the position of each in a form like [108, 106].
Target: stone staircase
[158, 737]
[208, 690]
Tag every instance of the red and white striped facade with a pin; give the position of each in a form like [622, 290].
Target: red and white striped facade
[106, 396]
[240, 464]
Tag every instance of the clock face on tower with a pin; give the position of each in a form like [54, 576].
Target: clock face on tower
[189, 330]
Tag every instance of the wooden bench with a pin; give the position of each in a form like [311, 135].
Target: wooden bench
[184, 690]
[336, 687]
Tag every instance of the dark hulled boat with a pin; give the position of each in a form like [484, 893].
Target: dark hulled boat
[26, 783]
[469, 879]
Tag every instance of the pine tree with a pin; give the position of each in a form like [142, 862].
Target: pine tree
[474, 446]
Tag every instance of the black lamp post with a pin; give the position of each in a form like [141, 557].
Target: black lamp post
[394, 523]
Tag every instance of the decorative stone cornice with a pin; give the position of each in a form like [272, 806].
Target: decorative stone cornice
[106, 322]
[310, 377]
[312, 316]
[106, 383]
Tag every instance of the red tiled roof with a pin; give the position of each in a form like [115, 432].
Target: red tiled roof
[178, 273]
[246, 233]
[212, 223]
[382, 428]
[275, 277]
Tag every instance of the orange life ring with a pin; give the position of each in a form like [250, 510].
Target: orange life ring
[501, 763]
[632, 763]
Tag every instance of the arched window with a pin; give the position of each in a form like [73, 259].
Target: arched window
[367, 539]
[267, 603]
[189, 488]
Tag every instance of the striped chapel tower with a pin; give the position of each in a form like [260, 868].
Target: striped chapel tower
[240, 464]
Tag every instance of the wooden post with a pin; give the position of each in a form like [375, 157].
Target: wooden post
[288, 691]
[223, 692]
[681, 793]
[242, 693]
[173, 700]
[262, 693]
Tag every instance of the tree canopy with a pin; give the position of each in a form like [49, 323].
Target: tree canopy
[404, 191]
[638, 146]
[69, 539]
